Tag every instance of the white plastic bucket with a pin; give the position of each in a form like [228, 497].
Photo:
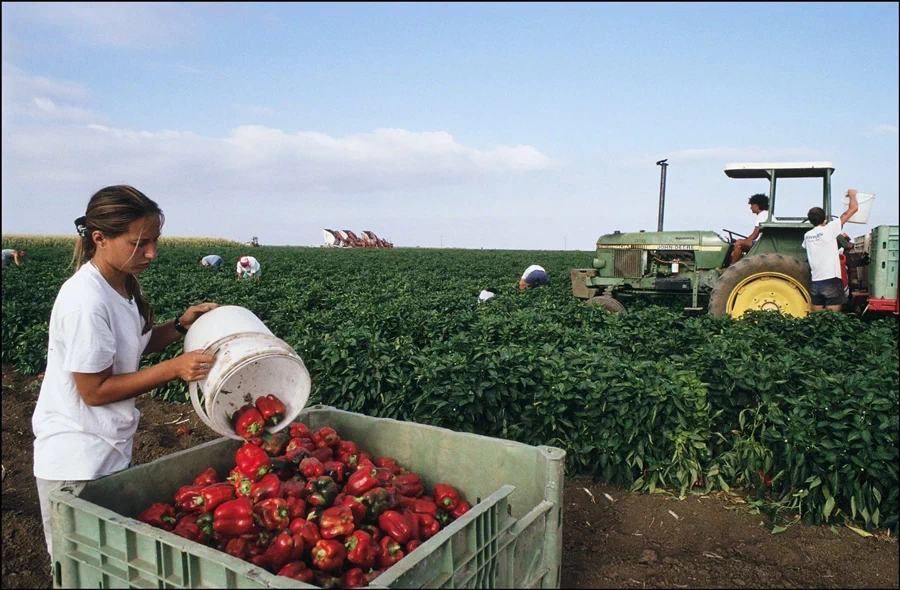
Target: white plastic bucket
[864, 200]
[250, 363]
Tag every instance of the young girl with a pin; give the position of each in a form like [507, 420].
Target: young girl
[101, 324]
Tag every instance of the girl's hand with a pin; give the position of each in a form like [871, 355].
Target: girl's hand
[193, 366]
[194, 312]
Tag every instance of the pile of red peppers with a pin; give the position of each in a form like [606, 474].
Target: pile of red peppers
[308, 505]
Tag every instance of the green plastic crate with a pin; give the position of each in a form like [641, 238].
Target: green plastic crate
[883, 265]
[511, 538]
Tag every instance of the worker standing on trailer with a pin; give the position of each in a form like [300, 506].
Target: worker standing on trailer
[533, 276]
[100, 326]
[248, 266]
[759, 206]
[821, 243]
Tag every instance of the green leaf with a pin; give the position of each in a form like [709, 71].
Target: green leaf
[778, 529]
[829, 506]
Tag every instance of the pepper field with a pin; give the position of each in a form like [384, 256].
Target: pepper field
[802, 414]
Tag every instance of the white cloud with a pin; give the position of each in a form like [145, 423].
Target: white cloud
[43, 98]
[257, 159]
[882, 129]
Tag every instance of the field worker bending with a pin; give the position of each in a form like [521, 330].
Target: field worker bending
[248, 266]
[759, 206]
[100, 326]
[821, 243]
[533, 276]
[211, 260]
[10, 255]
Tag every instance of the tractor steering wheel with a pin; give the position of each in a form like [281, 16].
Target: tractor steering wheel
[731, 235]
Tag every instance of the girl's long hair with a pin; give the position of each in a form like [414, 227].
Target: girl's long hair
[111, 210]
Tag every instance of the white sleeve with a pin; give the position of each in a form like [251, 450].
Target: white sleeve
[89, 342]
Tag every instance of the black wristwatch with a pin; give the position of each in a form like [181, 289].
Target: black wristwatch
[181, 329]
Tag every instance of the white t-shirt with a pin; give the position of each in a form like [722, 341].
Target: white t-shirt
[531, 269]
[251, 270]
[761, 217]
[92, 327]
[822, 250]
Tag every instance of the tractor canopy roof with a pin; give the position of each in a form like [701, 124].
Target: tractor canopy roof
[781, 169]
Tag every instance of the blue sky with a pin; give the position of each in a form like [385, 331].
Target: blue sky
[525, 126]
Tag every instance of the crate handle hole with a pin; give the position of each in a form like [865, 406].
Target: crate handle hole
[58, 574]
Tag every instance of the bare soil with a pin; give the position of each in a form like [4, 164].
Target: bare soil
[612, 538]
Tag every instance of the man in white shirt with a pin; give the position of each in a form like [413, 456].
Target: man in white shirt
[824, 259]
[534, 275]
[248, 266]
[759, 206]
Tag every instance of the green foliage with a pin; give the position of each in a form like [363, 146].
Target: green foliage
[801, 412]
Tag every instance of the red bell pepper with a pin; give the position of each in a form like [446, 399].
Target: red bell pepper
[428, 525]
[446, 497]
[297, 570]
[215, 495]
[247, 422]
[242, 484]
[274, 443]
[188, 528]
[160, 515]
[296, 507]
[207, 477]
[299, 444]
[346, 446]
[323, 454]
[361, 549]
[252, 462]
[364, 461]
[234, 518]
[282, 550]
[268, 487]
[357, 508]
[407, 484]
[418, 505]
[336, 521]
[389, 463]
[354, 578]
[461, 508]
[307, 530]
[188, 498]
[373, 531]
[328, 555]
[383, 475]
[389, 552]
[326, 437]
[293, 488]
[413, 519]
[300, 430]
[271, 408]
[321, 491]
[360, 482]
[412, 545]
[336, 471]
[272, 514]
[311, 468]
[238, 547]
[396, 525]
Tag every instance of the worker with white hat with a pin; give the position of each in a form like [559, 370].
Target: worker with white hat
[248, 266]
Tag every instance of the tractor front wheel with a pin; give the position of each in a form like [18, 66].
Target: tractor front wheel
[767, 282]
[610, 304]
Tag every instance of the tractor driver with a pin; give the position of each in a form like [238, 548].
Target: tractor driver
[759, 206]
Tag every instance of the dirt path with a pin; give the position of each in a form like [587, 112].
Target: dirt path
[632, 541]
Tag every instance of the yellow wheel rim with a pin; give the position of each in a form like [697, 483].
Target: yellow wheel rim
[769, 291]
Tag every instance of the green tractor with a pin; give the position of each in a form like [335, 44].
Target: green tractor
[773, 275]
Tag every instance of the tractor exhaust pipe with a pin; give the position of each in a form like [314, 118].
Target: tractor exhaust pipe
[662, 193]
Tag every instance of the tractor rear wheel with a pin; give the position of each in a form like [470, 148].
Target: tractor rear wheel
[610, 304]
[768, 282]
